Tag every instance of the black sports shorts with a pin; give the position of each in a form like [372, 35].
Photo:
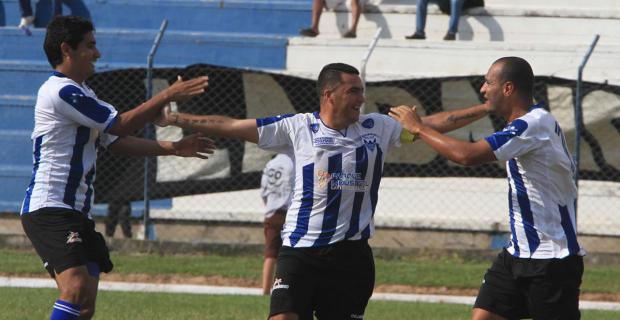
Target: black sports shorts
[65, 238]
[334, 281]
[517, 288]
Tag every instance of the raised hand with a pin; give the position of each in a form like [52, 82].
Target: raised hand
[407, 117]
[195, 145]
[182, 90]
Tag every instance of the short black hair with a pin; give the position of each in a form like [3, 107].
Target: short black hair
[519, 72]
[67, 29]
[330, 76]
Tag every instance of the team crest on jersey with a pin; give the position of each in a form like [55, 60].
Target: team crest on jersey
[370, 141]
[314, 127]
[368, 123]
[73, 237]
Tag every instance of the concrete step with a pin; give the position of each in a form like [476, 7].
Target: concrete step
[178, 48]
[403, 59]
[16, 147]
[481, 28]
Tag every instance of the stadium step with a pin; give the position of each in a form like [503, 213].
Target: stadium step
[178, 48]
[400, 59]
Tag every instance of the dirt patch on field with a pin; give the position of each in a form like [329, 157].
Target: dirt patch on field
[250, 283]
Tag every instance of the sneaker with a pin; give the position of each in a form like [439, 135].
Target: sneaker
[309, 32]
[350, 34]
[450, 36]
[26, 23]
[417, 36]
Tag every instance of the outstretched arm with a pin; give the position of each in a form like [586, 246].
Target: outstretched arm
[195, 145]
[136, 118]
[462, 152]
[452, 120]
[223, 126]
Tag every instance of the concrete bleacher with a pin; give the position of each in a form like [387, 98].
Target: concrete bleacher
[553, 35]
[261, 34]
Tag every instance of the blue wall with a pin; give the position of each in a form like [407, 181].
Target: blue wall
[247, 34]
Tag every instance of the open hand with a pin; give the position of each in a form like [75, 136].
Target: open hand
[195, 145]
[407, 117]
[182, 90]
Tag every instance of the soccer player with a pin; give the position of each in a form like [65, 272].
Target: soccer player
[276, 187]
[70, 123]
[539, 272]
[325, 264]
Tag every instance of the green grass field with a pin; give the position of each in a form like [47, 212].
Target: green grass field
[450, 272]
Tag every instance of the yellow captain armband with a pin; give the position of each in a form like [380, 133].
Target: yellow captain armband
[407, 137]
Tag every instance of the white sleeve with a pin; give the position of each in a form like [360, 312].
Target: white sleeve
[515, 140]
[275, 133]
[85, 110]
[106, 139]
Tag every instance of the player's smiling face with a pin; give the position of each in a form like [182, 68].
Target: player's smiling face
[348, 97]
[83, 58]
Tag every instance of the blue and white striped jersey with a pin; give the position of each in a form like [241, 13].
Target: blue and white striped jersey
[541, 192]
[337, 174]
[69, 124]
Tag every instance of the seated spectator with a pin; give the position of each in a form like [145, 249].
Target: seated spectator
[317, 10]
[421, 8]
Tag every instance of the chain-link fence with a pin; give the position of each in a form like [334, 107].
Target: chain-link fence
[420, 189]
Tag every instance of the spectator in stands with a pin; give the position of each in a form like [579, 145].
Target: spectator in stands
[317, 10]
[538, 274]
[276, 185]
[70, 123]
[421, 10]
[118, 212]
[325, 266]
[77, 7]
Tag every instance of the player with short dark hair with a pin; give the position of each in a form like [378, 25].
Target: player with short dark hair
[325, 265]
[539, 272]
[70, 124]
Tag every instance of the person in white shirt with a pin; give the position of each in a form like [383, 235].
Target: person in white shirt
[539, 272]
[277, 183]
[325, 265]
[70, 124]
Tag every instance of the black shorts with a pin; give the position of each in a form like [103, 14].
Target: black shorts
[335, 281]
[66, 238]
[517, 288]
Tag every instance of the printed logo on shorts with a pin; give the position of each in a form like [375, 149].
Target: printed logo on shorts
[357, 316]
[277, 284]
[73, 237]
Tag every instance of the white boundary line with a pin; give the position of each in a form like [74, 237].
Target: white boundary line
[16, 282]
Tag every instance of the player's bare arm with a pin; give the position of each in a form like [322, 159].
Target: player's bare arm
[222, 126]
[452, 120]
[462, 152]
[195, 145]
[135, 119]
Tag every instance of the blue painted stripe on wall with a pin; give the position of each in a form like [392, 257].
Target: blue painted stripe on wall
[35, 168]
[76, 169]
[307, 200]
[332, 209]
[526, 210]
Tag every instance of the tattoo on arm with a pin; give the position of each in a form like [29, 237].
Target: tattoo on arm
[455, 119]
